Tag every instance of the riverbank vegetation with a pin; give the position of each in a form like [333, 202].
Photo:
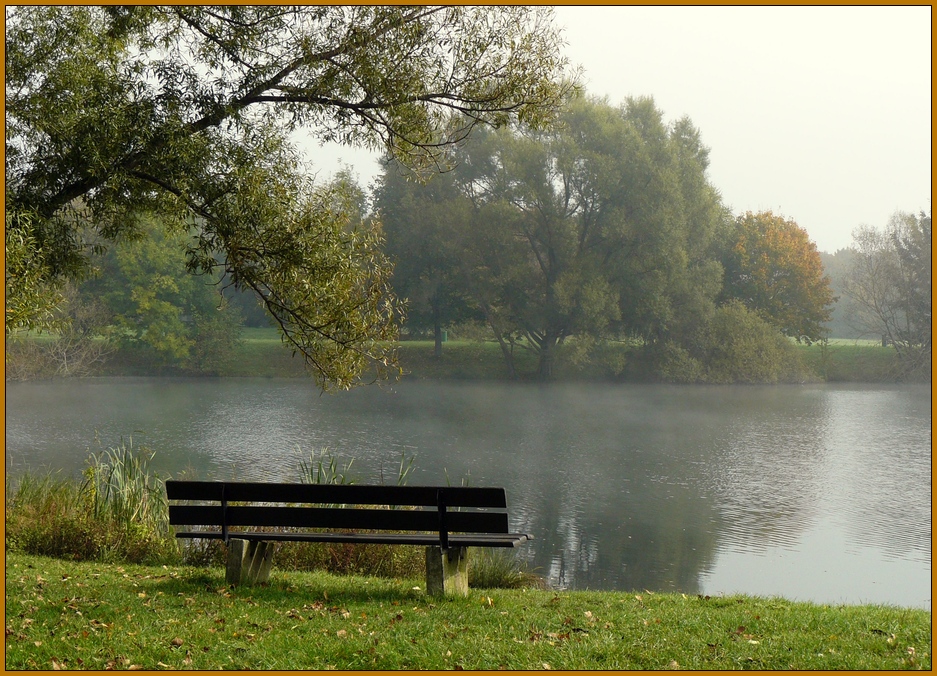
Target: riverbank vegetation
[74, 615]
[117, 512]
[260, 353]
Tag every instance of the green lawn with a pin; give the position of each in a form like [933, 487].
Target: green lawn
[67, 615]
[847, 360]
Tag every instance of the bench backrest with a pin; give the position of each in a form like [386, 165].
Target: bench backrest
[339, 507]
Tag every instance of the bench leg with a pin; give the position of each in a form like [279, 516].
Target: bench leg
[249, 561]
[447, 571]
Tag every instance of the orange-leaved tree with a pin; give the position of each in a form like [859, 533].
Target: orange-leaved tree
[774, 269]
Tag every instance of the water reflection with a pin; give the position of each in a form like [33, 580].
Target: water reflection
[883, 461]
[767, 468]
[812, 492]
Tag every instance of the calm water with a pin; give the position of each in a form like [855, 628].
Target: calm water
[818, 493]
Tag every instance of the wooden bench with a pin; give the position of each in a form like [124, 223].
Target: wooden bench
[251, 517]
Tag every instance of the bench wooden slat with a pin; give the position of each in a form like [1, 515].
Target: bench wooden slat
[410, 496]
[323, 517]
[494, 540]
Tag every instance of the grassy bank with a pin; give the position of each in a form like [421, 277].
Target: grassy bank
[97, 616]
[851, 361]
[262, 354]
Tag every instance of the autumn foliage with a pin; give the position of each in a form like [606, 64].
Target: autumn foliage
[775, 270]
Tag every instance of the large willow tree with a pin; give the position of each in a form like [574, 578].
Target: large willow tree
[601, 225]
[186, 113]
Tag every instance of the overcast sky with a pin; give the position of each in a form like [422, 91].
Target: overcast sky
[822, 114]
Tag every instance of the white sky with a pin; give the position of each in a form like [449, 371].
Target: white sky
[822, 114]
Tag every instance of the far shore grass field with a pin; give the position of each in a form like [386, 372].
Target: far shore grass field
[86, 615]
[263, 354]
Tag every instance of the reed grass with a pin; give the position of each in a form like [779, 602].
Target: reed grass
[322, 468]
[491, 568]
[117, 512]
[120, 489]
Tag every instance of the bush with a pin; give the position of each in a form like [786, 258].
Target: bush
[737, 346]
[675, 364]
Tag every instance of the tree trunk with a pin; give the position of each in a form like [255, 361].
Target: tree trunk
[505, 349]
[546, 359]
[437, 329]
[508, 354]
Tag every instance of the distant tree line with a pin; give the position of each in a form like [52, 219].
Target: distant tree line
[152, 183]
[602, 227]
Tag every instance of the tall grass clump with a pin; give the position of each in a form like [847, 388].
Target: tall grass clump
[486, 569]
[117, 512]
[323, 469]
[121, 492]
[346, 558]
[490, 568]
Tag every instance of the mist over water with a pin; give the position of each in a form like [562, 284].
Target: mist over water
[811, 492]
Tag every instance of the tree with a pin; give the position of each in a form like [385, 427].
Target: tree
[596, 227]
[836, 266]
[185, 112]
[422, 223]
[889, 286]
[157, 310]
[32, 297]
[775, 270]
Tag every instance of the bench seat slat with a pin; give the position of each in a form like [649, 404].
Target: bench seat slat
[495, 540]
[320, 517]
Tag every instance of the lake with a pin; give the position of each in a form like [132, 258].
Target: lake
[817, 492]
